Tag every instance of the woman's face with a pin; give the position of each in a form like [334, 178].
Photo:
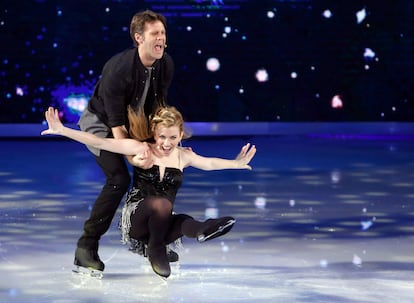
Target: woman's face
[167, 138]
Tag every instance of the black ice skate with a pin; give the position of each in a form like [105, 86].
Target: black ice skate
[172, 255]
[216, 228]
[140, 248]
[159, 260]
[88, 262]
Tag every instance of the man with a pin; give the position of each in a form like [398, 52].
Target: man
[138, 77]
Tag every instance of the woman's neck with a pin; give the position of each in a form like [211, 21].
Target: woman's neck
[170, 160]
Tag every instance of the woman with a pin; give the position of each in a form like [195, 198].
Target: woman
[148, 213]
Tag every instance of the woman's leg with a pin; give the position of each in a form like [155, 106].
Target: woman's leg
[175, 231]
[184, 225]
[151, 222]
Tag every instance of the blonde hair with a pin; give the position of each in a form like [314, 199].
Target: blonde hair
[142, 129]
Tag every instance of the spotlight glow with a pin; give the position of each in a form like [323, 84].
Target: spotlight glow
[213, 64]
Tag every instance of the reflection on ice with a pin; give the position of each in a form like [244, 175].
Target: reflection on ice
[299, 236]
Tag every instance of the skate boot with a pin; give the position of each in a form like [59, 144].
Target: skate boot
[172, 255]
[159, 261]
[87, 261]
[139, 247]
[216, 228]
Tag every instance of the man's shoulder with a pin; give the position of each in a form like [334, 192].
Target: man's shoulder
[121, 62]
[125, 55]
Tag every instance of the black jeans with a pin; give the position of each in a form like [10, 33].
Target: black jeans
[117, 184]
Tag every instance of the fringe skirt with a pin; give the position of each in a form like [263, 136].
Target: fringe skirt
[129, 208]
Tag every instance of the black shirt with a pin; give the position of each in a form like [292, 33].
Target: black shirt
[122, 83]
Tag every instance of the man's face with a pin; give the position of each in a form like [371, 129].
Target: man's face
[152, 43]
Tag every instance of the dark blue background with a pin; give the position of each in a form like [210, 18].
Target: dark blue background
[54, 50]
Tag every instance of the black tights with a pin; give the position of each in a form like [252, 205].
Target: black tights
[154, 223]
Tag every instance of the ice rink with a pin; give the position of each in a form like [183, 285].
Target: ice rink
[320, 218]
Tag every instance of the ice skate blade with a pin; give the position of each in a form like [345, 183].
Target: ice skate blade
[220, 229]
[91, 272]
[163, 279]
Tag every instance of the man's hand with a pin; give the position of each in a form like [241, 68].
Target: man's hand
[144, 161]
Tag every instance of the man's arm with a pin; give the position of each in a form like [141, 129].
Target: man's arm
[120, 132]
[144, 160]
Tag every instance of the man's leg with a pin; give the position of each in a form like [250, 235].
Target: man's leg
[104, 209]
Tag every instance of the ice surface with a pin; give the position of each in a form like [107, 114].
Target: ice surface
[310, 250]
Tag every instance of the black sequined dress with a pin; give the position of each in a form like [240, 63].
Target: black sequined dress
[148, 182]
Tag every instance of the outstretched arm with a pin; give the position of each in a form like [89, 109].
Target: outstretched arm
[120, 146]
[211, 163]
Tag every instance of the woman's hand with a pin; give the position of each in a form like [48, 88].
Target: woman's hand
[53, 121]
[245, 155]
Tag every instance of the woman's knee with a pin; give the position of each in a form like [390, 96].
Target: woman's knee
[161, 206]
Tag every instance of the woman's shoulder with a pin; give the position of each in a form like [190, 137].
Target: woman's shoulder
[186, 154]
[185, 150]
